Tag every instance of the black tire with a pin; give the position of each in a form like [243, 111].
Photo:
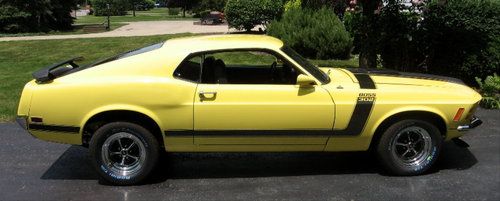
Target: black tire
[398, 147]
[108, 147]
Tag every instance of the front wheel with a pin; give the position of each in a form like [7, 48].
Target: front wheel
[123, 153]
[409, 147]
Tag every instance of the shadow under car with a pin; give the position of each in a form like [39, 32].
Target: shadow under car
[75, 164]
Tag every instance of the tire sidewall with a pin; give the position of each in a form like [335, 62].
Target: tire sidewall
[146, 138]
[393, 164]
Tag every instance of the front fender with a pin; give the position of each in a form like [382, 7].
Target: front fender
[378, 116]
[412, 108]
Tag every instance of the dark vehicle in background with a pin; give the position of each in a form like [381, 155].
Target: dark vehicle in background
[214, 17]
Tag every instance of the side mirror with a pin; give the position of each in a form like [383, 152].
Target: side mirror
[305, 80]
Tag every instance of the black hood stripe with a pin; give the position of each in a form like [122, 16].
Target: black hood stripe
[393, 73]
[365, 81]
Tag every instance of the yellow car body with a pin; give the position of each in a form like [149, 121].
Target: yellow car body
[345, 114]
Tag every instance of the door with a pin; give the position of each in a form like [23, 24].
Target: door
[250, 98]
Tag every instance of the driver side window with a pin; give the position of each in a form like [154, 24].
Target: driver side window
[246, 67]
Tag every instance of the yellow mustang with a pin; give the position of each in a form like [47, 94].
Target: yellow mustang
[240, 93]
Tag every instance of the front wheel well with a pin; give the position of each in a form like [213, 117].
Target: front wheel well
[100, 119]
[429, 117]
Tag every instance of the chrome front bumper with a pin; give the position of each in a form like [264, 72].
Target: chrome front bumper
[474, 122]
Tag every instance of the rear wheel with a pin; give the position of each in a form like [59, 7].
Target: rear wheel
[409, 147]
[123, 153]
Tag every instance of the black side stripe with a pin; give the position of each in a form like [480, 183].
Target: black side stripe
[365, 81]
[55, 128]
[249, 133]
[359, 117]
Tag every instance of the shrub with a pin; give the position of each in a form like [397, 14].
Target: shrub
[116, 7]
[317, 34]
[292, 4]
[462, 38]
[246, 14]
[490, 89]
[35, 16]
[174, 11]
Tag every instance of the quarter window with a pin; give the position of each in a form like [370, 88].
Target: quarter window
[189, 69]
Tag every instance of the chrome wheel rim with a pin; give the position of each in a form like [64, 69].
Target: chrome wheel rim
[124, 154]
[412, 146]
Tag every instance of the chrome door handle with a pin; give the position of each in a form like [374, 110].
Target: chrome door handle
[203, 94]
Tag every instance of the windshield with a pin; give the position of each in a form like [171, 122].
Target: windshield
[315, 71]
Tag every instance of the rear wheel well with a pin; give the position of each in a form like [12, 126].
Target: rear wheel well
[429, 117]
[98, 120]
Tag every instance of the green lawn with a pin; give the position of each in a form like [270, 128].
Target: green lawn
[353, 62]
[154, 14]
[18, 59]
[77, 29]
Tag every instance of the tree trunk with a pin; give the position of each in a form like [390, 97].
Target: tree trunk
[184, 9]
[133, 10]
[367, 59]
[368, 53]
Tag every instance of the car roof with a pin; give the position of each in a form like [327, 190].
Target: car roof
[220, 42]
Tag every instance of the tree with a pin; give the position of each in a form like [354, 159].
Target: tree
[338, 6]
[212, 5]
[140, 5]
[35, 16]
[116, 7]
[184, 4]
[133, 4]
[246, 14]
[399, 43]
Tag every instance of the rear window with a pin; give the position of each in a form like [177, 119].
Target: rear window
[148, 48]
[140, 51]
[129, 53]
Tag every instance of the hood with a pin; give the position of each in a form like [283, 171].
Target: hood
[386, 76]
[440, 88]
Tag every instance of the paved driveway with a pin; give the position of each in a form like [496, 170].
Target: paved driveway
[138, 29]
[34, 170]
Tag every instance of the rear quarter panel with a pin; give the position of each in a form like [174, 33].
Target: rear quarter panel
[140, 83]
